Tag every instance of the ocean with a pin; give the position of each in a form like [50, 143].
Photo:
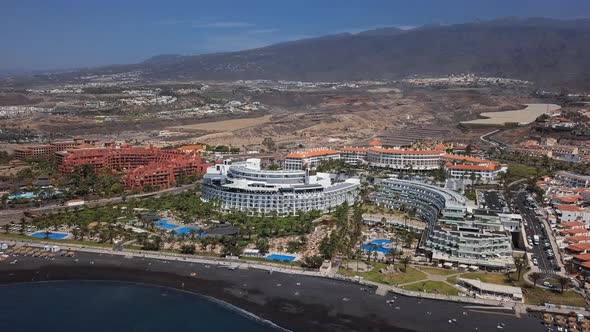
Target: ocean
[111, 306]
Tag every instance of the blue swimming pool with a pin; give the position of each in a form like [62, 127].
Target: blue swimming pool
[52, 235]
[183, 230]
[27, 195]
[281, 258]
[383, 245]
[163, 223]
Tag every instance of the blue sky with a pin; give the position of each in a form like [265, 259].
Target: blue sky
[48, 34]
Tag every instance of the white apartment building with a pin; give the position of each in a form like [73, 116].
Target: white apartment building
[244, 186]
[483, 173]
[353, 155]
[404, 159]
[309, 159]
[573, 180]
[567, 213]
[453, 234]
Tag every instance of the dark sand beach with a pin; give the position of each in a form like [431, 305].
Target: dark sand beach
[294, 302]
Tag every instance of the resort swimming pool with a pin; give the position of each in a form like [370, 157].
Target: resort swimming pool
[383, 245]
[27, 195]
[52, 235]
[184, 230]
[281, 258]
[163, 223]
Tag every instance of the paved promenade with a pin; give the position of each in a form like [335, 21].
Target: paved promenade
[380, 289]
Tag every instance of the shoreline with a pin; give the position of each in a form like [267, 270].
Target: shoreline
[280, 298]
[221, 303]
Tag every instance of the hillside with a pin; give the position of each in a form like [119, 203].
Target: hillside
[551, 53]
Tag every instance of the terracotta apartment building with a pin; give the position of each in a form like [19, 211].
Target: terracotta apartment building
[142, 166]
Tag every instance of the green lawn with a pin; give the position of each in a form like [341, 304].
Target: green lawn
[435, 287]
[410, 275]
[492, 278]
[437, 270]
[541, 296]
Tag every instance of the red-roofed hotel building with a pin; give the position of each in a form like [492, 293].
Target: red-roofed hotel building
[568, 213]
[309, 159]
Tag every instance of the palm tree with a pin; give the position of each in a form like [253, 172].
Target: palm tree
[519, 263]
[405, 261]
[408, 240]
[563, 282]
[392, 255]
[535, 276]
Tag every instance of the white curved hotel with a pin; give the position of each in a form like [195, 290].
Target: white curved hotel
[243, 186]
[422, 160]
[453, 233]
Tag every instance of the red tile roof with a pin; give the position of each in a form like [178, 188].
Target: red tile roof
[579, 247]
[354, 149]
[583, 257]
[375, 143]
[577, 239]
[488, 167]
[311, 153]
[406, 151]
[571, 208]
[575, 231]
[469, 159]
[567, 199]
[571, 224]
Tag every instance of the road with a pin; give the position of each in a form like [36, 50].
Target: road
[488, 139]
[532, 228]
[14, 215]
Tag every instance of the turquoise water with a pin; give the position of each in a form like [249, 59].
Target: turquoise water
[379, 243]
[183, 230]
[52, 235]
[114, 307]
[27, 195]
[282, 258]
[163, 223]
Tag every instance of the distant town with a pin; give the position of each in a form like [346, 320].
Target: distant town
[491, 204]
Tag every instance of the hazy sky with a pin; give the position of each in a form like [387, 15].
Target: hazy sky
[47, 34]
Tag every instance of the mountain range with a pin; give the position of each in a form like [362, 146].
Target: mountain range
[552, 53]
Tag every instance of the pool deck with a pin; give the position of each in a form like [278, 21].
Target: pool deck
[67, 235]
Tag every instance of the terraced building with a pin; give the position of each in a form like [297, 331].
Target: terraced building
[244, 186]
[452, 232]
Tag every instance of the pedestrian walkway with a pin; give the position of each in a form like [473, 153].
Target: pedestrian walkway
[380, 289]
